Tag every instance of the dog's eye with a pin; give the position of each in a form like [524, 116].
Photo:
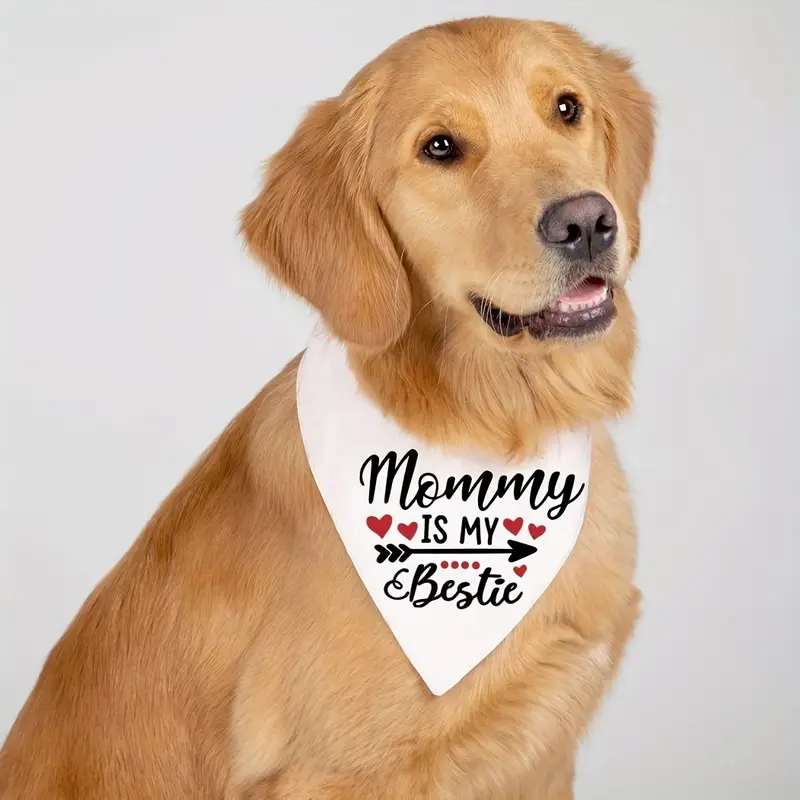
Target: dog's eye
[569, 108]
[440, 148]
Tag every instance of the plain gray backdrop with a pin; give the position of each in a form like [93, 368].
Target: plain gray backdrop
[134, 327]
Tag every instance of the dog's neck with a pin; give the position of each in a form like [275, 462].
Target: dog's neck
[446, 386]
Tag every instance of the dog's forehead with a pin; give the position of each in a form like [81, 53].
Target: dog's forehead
[485, 66]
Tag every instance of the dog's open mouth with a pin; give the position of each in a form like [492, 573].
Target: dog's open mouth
[585, 310]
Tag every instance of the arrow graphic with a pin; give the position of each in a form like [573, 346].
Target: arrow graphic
[400, 552]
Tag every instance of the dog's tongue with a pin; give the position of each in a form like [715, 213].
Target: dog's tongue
[589, 291]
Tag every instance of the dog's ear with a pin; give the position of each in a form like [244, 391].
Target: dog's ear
[629, 116]
[317, 227]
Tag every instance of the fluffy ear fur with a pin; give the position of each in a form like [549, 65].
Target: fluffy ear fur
[630, 131]
[317, 227]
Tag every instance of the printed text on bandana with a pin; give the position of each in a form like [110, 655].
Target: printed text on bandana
[492, 553]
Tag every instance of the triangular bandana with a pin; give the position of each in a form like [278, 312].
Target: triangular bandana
[453, 549]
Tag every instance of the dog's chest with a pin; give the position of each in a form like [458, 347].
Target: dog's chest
[367, 711]
[453, 546]
[353, 704]
[488, 737]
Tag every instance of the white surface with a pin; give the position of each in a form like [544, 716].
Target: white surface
[130, 136]
[443, 630]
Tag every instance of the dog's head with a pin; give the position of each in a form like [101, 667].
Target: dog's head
[488, 170]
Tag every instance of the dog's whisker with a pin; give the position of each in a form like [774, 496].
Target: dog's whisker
[444, 348]
[432, 300]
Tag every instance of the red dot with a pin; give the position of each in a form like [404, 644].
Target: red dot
[465, 564]
[475, 565]
[444, 565]
[454, 565]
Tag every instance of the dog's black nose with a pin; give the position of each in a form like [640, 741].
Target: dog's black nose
[580, 228]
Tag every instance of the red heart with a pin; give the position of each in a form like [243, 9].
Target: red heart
[380, 526]
[513, 525]
[407, 530]
[521, 570]
[536, 530]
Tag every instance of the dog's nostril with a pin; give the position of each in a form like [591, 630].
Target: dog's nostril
[604, 226]
[573, 234]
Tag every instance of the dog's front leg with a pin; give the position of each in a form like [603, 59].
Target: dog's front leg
[553, 778]
[544, 715]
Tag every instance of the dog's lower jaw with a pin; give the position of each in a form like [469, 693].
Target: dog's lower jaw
[577, 319]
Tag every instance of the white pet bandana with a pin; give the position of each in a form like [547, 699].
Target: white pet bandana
[454, 549]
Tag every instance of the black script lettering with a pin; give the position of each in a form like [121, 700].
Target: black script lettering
[518, 484]
[566, 493]
[423, 579]
[485, 489]
[491, 590]
[467, 484]
[428, 491]
[396, 586]
[392, 466]
[495, 598]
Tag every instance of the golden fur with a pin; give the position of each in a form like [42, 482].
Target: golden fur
[193, 670]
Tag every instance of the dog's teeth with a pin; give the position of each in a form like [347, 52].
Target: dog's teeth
[565, 306]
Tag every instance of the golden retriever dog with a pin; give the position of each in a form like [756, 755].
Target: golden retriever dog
[463, 216]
